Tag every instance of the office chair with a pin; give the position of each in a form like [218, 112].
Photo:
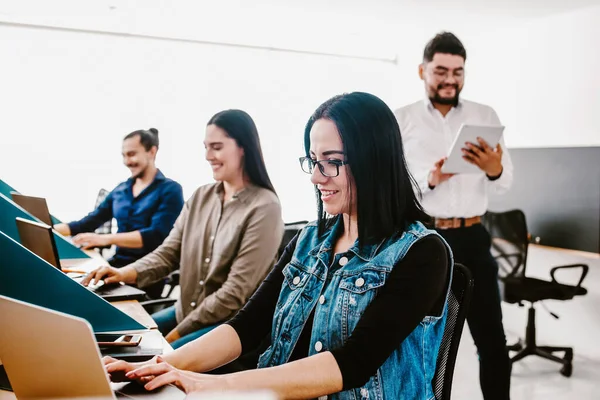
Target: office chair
[458, 306]
[154, 305]
[290, 230]
[510, 241]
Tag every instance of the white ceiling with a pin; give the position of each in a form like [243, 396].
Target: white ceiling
[517, 8]
[351, 27]
[375, 8]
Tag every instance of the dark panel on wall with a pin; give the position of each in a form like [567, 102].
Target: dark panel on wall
[559, 191]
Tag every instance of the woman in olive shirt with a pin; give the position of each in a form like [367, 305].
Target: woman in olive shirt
[224, 241]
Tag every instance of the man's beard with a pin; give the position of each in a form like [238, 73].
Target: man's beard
[140, 174]
[449, 101]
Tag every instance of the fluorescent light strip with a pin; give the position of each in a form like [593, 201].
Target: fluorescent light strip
[390, 60]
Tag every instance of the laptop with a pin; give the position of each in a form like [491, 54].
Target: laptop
[39, 239]
[38, 207]
[35, 206]
[48, 354]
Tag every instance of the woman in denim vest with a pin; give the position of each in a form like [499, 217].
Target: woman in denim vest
[356, 306]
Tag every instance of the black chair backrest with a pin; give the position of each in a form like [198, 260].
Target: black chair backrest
[458, 306]
[510, 240]
[107, 226]
[290, 230]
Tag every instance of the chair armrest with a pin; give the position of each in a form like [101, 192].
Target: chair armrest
[516, 257]
[173, 278]
[584, 271]
[152, 306]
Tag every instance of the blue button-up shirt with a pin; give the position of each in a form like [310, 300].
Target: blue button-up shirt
[153, 213]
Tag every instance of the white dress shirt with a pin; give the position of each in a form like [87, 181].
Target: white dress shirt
[427, 136]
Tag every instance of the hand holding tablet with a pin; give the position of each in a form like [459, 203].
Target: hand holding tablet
[475, 150]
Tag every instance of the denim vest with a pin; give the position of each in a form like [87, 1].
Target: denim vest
[339, 295]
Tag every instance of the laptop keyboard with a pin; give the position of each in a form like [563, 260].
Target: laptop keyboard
[99, 287]
[78, 278]
[112, 290]
[95, 287]
[106, 290]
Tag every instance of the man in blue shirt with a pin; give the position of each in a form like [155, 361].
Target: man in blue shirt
[145, 206]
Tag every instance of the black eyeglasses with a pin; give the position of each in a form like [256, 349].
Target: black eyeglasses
[328, 168]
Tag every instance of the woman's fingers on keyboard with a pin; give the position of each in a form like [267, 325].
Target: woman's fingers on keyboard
[100, 274]
[112, 276]
[86, 279]
[95, 276]
[108, 360]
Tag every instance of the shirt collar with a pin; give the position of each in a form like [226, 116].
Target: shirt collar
[243, 195]
[157, 178]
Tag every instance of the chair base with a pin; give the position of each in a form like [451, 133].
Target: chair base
[531, 348]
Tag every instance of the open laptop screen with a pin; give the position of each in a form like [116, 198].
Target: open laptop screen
[35, 206]
[38, 238]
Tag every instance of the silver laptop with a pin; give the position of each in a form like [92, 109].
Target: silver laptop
[48, 354]
[36, 206]
[39, 239]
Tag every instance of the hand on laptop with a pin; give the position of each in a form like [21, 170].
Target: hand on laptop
[110, 275]
[91, 240]
[160, 373]
[116, 369]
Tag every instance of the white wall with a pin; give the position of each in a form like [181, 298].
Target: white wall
[542, 76]
[68, 98]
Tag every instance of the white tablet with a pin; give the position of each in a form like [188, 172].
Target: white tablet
[455, 164]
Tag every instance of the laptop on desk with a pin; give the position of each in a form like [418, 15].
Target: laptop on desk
[39, 239]
[48, 354]
[36, 206]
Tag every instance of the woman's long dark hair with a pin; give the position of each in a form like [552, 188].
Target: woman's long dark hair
[385, 190]
[240, 127]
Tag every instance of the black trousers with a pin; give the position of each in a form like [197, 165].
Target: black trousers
[471, 247]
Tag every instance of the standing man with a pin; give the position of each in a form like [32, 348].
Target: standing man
[457, 202]
[145, 207]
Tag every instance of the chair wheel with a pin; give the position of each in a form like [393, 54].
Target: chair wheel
[567, 370]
